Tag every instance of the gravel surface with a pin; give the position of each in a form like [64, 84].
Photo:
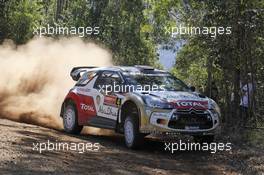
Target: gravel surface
[107, 154]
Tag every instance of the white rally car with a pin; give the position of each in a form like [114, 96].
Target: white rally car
[138, 101]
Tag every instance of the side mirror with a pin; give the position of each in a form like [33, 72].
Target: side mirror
[192, 88]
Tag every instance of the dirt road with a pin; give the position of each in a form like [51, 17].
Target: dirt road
[18, 156]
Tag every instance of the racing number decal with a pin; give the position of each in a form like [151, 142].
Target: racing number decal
[112, 101]
[118, 101]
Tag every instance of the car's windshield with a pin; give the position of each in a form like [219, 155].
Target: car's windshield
[166, 81]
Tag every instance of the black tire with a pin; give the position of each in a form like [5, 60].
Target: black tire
[70, 120]
[133, 138]
[204, 139]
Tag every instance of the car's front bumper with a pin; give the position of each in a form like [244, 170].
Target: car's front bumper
[157, 121]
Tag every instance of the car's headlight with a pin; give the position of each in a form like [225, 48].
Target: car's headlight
[155, 102]
[214, 107]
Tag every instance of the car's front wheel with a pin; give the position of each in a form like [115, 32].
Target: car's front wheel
[70, 120]
[133, 137]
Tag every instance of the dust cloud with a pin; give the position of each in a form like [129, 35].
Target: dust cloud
[35, 77]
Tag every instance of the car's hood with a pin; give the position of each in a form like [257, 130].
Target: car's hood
[171, 96]
[183, 100]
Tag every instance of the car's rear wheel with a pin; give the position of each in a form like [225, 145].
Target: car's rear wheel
[133, 137]
[204, 139]
[70, 120]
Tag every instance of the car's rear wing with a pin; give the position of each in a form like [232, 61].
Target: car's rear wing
[76, 71]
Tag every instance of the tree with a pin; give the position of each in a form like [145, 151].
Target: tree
[18, 19]
[231, 57]
[121, 25]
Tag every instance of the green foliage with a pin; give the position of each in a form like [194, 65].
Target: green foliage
[18, 20]
[226, 59]
[191, 66]
[123, 26]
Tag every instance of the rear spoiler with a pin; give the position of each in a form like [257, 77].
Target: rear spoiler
[76, 71]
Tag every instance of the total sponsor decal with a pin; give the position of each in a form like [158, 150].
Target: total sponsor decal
[86, 107]
[202, 105]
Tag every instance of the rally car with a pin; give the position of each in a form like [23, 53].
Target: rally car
[138, 101]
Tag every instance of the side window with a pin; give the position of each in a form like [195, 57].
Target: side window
[107, 79]
[85, 78]
[115, 79]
